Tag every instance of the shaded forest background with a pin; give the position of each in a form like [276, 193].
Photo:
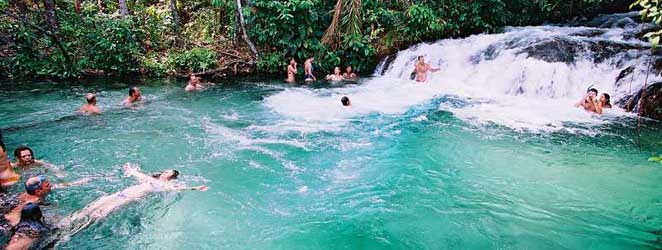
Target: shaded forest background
[79, 38]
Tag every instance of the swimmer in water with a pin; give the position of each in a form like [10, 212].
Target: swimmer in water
[36, 190]
[348, 73]
[25, 159]
[7, 175]
[30, 228]
[193, 84]
[291, 71]
[91, 107]
[588, 102]
[336, 76]
[603, 103]
[421, 69]
[345, 101]
[105, 205]
[134, 97]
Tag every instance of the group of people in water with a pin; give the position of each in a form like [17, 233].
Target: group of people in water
[309, 76]
[22, 222]
[592, 104]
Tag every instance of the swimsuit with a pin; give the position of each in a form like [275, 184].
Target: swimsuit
[32, 229]
[7, 204]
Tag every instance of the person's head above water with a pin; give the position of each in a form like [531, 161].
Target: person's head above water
[31, 213]
[605, 98]
[134, 92]
[91, 98]
[348, 69]
[421, 58]
[38, 186]
[336, 71]
[24, 155]
[345, 101]
[167, 175]
[592, 91]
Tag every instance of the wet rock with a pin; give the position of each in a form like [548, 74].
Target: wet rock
[651, 104]
[621, 78]
[603, 50]
[554, 50]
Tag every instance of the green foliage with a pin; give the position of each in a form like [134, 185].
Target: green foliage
[193, 60]
[651, 9]
[656, 159]
[146, 43]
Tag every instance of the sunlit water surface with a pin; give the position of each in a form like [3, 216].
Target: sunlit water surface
[288, 168]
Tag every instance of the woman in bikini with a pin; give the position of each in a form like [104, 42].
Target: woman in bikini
[105, 205]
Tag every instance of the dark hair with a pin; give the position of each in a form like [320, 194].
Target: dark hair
[91, 100]
[592, 90]
[2, 145]
[419, 57]
[132, 90]
[345, 101]
[31, 212]
[607, 97]
[17, 151]
[174, 176]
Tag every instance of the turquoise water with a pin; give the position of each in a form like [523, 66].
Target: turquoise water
[418, 179]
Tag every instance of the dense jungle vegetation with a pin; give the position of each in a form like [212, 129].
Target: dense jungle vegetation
[75, 38]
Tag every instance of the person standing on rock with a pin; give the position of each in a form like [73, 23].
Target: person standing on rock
[421, 69]
[291, 71]
[308, 70]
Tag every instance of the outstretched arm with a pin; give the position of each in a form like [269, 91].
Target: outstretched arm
[183, 188]
[133, 170]
[72, 184]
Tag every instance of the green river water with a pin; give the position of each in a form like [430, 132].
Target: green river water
[418, 179]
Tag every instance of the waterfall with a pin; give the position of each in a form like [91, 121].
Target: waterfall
[523, 78]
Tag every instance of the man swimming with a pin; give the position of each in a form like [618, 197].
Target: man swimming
[134, 96]
[91, 106]
[105, 205]
[193, 84]
[588, 101]
[348, 73]
[25, 159]
[336, 76]
[345, 101]
[30, 228]
[308, 70]
[421, 69]
[291, 71]
[36, 190]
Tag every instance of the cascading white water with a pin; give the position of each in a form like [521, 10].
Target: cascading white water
[524, 78]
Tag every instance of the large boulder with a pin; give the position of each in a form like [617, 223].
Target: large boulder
[651, 104]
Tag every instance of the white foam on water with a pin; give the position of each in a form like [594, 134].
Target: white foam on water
[493, 74]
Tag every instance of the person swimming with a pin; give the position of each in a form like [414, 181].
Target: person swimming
[91, 106]
[588, 102]
[105, 205]
[30, 228]
[603, 103]
[345, 101]
[348, 73]
[336, 76]
[25, 160]
[134, 96]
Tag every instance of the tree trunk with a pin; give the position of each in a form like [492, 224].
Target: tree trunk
[124, 10]
[331, 36]
[240, 17]
[172, 5]
[51, 17]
